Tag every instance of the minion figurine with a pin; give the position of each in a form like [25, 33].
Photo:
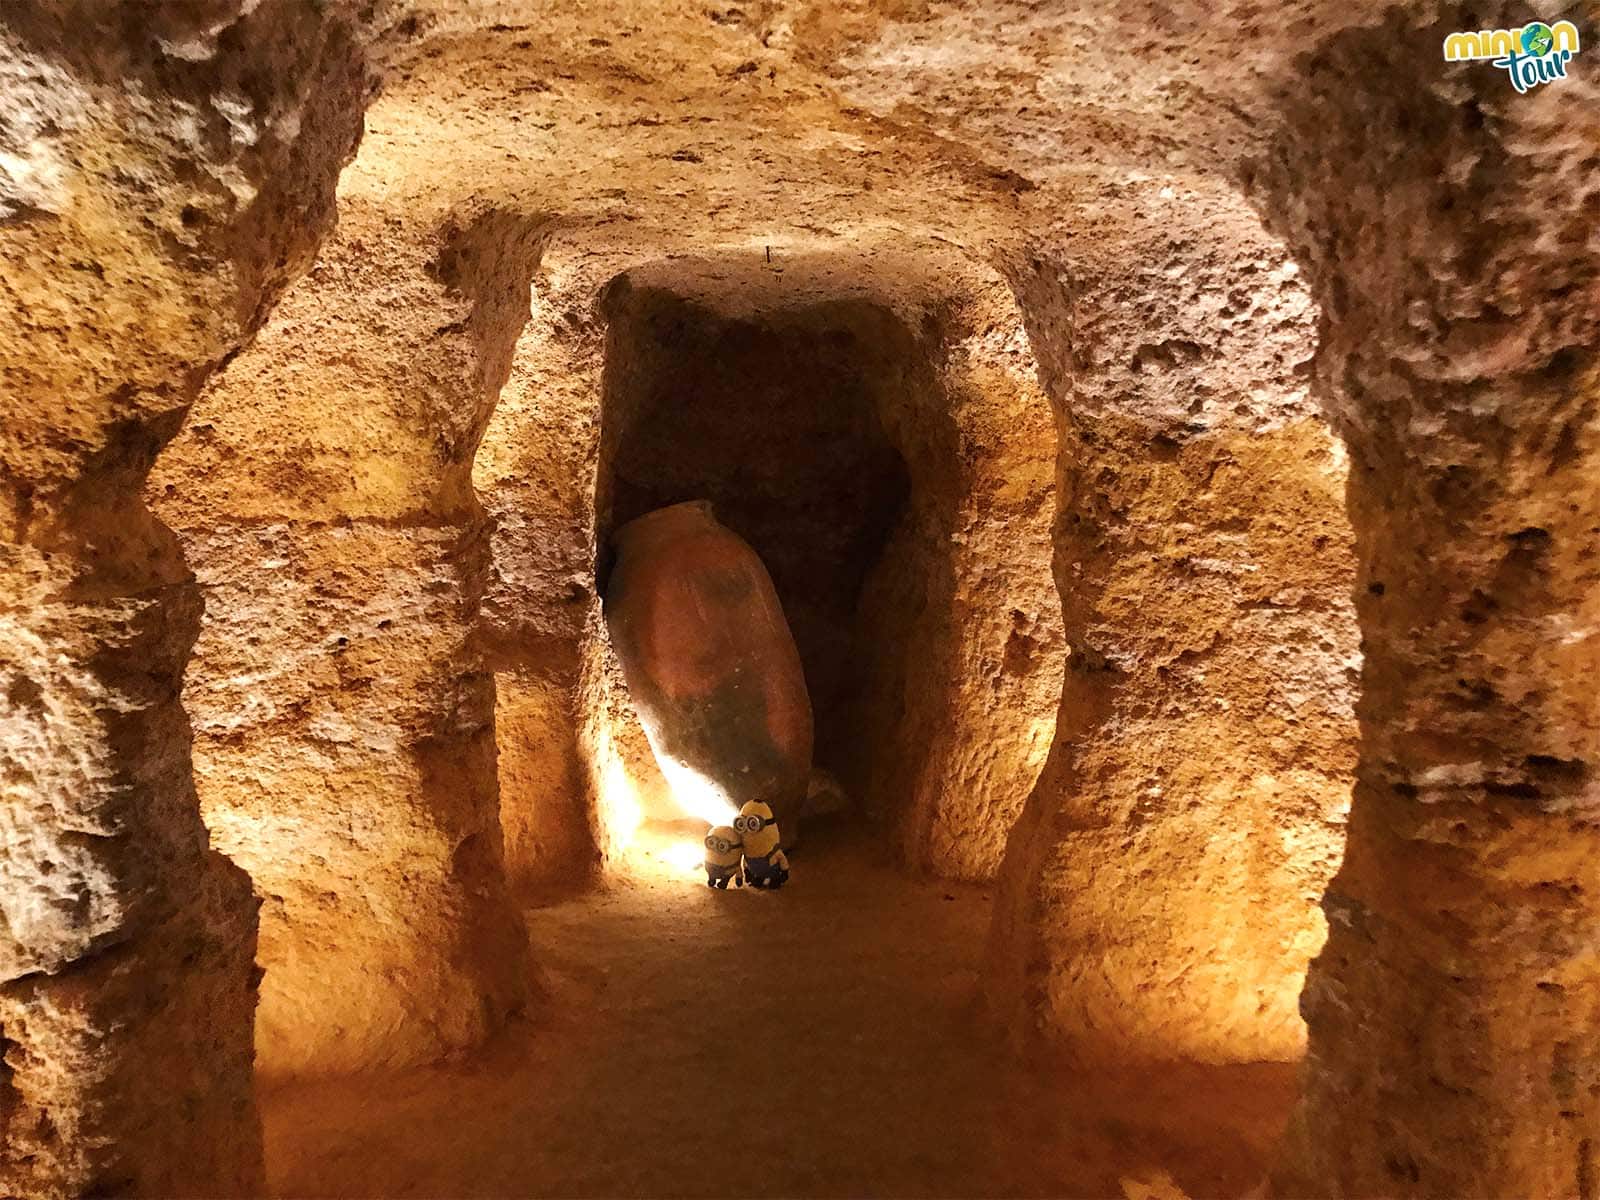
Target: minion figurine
[765, 864]
[723, 852]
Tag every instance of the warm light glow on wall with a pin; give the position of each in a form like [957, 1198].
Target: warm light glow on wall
[646, 839]
[1338, 459]
[666, 854]
[697, 795]
[685, 856]
[621, 809]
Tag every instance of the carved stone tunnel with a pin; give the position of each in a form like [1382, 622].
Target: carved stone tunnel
[834, 422]
[779, 425]
[1176, 467]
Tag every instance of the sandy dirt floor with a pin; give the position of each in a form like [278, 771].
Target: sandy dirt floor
[820, 1041]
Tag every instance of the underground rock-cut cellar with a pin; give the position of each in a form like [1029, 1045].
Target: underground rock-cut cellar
[1124, 639]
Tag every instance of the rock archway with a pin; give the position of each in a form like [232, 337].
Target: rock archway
[924, 367]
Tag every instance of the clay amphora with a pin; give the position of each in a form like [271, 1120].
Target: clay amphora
[709, 660]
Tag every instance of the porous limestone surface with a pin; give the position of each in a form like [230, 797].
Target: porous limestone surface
[165, 172]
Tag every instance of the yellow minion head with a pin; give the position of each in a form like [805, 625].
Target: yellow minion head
[722, 847]
[757, 827]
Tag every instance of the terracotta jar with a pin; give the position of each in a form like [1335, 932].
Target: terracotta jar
[709, 660]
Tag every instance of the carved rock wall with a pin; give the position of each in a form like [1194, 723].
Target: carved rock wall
[1447, 225]
[166, 173]
[345, 751]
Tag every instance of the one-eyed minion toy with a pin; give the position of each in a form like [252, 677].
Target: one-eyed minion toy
[765, 864]
[723, 853]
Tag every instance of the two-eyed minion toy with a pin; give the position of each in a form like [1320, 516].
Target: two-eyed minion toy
[765, 864]
[747, 852]
[723, 853]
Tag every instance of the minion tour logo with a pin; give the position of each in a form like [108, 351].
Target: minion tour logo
[1537, 53]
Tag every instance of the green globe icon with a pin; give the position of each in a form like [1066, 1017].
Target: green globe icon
[1537, 38]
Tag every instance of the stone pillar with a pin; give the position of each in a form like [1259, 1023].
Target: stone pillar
[345, 749]
[1448, 226]
[1158, 895]
[164, 175]
[542, 622]
[961, 610]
